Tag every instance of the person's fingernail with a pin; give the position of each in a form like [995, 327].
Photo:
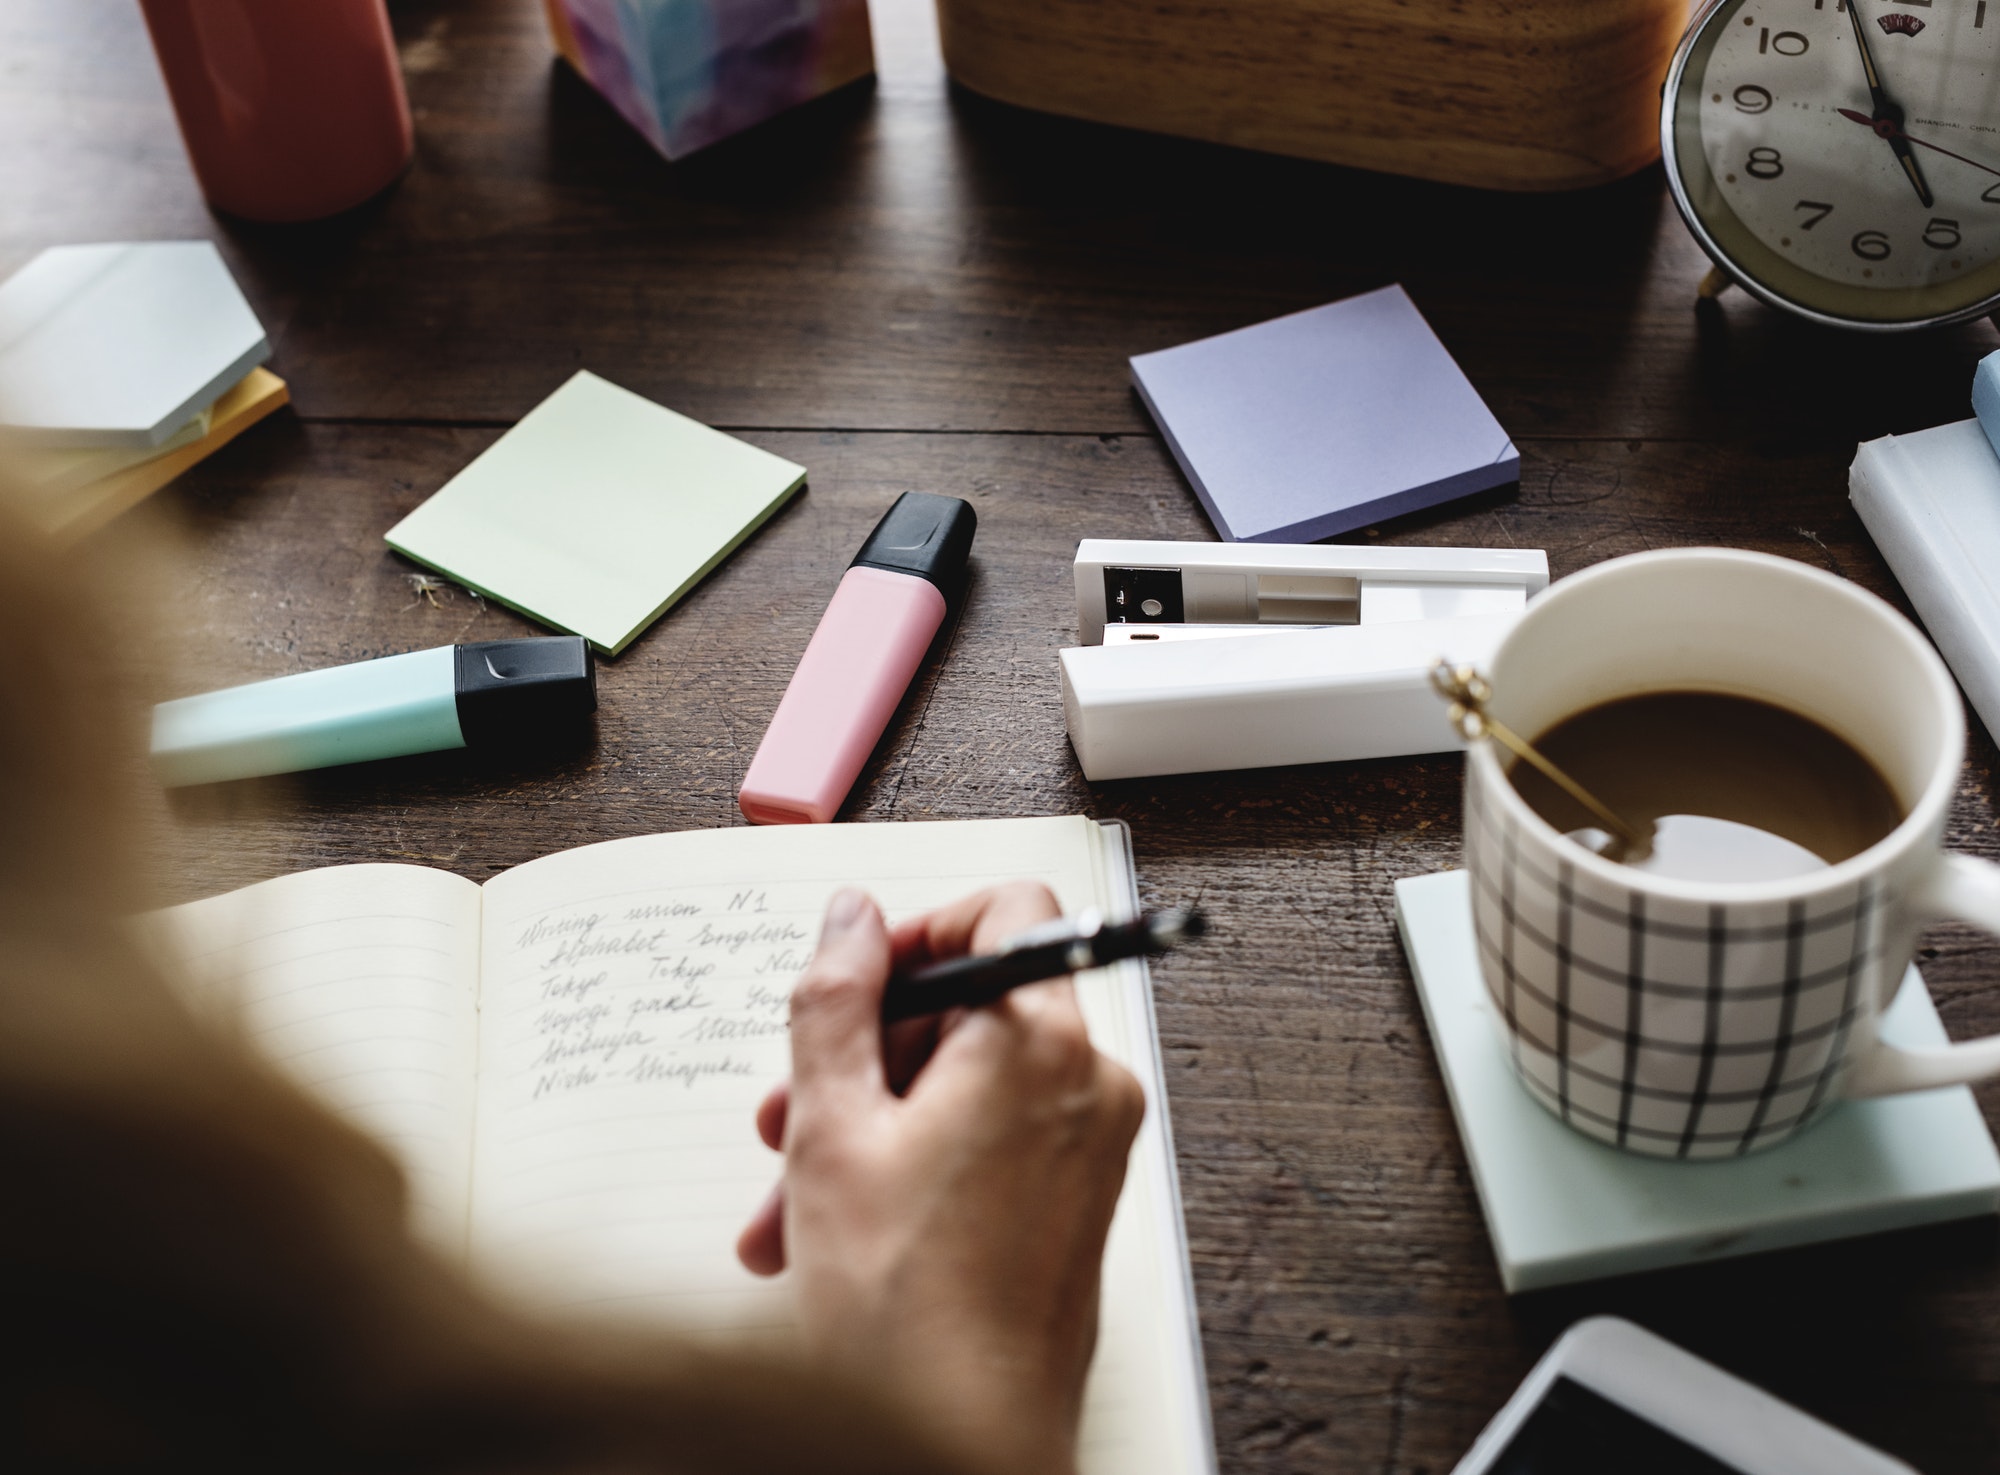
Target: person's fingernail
[843, 912]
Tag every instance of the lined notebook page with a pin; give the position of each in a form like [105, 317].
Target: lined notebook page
[634, 1013]
[1147, 1408]
[362, 983]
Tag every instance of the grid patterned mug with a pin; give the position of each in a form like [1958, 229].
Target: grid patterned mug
[1709, 1019]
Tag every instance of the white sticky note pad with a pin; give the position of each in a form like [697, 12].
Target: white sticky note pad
[121, 345]
[1562, 1207]
[597, 511]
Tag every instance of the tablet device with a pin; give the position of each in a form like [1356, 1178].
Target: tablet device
[1612, 1396]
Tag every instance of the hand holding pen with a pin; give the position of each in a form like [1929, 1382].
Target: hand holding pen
[946, 1192]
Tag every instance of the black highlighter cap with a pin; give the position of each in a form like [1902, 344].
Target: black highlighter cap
[926, 535]
[515, 691]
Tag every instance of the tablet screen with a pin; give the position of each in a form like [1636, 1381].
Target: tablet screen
[1574, 1431]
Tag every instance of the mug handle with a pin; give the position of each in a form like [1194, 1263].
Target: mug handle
[1960, 889]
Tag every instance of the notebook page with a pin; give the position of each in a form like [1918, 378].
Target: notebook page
[634, 1014]
[361, 982]
[1147, 1404]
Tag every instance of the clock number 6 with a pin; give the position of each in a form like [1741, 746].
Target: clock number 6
[1941, 234]
[1871, 245]
[1764, 163]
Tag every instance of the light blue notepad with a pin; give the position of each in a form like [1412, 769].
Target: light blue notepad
[1324, 421]
[1561, 1207]
[1931, 502]
[1986, 397]
[121, 345]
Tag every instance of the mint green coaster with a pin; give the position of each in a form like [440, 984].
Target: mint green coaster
[1561, 1207]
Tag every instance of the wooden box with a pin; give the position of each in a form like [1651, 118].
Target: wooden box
[1533, 95]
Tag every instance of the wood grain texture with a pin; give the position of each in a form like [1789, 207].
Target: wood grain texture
[916, 289]
[1541, 95]
[910, 259]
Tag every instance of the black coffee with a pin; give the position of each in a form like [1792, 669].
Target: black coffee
[1739, 790]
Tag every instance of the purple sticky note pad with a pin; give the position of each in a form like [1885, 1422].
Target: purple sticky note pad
[1324, 421]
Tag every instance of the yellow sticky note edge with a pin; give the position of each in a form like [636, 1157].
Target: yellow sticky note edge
[53, 473]
[82, 512]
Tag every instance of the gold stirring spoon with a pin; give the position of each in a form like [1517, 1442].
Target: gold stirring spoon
[1469, 692]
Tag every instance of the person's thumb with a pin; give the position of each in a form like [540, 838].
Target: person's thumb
[837, 1003]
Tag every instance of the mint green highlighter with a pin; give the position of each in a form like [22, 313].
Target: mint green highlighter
[453, 696]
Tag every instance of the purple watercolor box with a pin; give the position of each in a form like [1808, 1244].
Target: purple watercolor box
[689, 73]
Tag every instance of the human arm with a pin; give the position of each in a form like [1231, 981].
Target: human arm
[947, 1190]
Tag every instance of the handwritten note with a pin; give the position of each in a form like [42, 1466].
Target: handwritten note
[594, 1031]
[568, 1060]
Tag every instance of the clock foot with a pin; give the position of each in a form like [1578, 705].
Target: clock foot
[1713, 285]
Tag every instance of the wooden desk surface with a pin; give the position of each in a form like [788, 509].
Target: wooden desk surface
[911, 288]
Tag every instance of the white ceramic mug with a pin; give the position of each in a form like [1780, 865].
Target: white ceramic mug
[1709, 1019]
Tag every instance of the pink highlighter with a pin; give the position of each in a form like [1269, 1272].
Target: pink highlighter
[862, 658]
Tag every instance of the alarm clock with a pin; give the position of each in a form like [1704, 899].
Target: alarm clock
[1840, 159]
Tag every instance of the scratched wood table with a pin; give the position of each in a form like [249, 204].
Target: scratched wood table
[911, 287]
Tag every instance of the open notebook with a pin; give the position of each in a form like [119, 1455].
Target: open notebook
[567, 1059]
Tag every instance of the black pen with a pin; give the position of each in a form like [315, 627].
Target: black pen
[1066, 945]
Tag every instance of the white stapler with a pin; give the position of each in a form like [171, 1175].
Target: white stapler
[1200, 656]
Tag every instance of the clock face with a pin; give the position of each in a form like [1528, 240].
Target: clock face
[1844, 155]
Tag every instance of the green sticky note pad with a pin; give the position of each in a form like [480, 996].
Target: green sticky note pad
[597, 511]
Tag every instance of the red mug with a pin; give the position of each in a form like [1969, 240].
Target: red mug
[291, 109]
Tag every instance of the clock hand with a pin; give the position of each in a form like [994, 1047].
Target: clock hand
[1886, 129]
[1887, 111]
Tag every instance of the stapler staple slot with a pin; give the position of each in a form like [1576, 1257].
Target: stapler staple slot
[1308, 599]
[1132, 582]
[1143, 596]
